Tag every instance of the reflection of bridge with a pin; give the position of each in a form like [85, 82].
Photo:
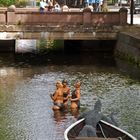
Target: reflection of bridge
[71, 25]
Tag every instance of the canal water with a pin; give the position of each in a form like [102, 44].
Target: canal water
[27, 80]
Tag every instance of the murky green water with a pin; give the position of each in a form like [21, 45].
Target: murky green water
[25, 85]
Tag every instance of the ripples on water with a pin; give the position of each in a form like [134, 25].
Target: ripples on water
[25, 105]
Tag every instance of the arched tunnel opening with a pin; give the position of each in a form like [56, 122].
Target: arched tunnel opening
[75, 46]
[7, 45]
[67, 46]
[66, 52]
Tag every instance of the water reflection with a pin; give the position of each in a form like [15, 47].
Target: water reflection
[74, 112]
[58, 115]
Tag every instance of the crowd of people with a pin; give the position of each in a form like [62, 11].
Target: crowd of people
[62, 96]
[52, 5]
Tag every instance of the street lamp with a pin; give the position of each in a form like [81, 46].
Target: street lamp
[131, 11]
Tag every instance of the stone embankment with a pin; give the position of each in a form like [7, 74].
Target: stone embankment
[128, 44]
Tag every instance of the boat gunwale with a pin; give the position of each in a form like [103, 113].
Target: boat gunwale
[70, 127]
[102, 121]
[119, 129]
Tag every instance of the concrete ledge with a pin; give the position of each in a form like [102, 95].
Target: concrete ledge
[59, 35]
[75, 32]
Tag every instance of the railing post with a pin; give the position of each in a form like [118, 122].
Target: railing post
[11, 17]
[3, 13]
[87, 16]
[123, 16]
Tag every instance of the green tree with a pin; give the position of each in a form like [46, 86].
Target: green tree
[7, 2]
[17, 3]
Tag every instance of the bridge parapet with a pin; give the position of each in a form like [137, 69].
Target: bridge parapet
[32, 16]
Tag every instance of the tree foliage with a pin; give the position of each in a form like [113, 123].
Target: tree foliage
[7, 2]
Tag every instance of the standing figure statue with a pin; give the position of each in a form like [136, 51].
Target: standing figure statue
[57, 97]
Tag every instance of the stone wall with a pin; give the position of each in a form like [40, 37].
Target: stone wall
[27, 16]
[128, 47]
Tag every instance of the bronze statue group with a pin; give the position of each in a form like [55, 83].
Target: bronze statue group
[62, 96]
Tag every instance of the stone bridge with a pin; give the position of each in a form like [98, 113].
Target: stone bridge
[29, 23]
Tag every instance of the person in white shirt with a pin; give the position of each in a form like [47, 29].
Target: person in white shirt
[91, 7]
[42, 5]
[57, 7]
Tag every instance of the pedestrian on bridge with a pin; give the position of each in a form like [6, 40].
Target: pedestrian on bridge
[42, 5]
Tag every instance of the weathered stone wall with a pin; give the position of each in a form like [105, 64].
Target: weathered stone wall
[128, 47]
